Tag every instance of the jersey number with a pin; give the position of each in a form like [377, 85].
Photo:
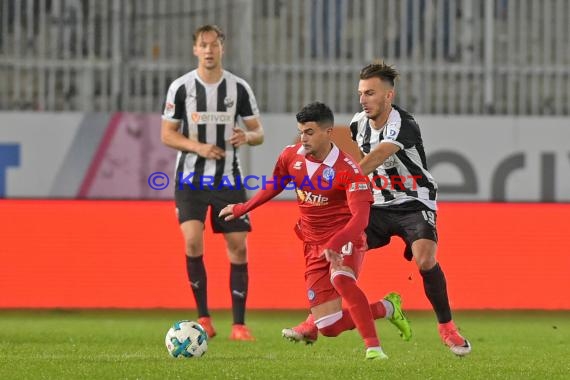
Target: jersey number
[346, 249]
[429, 216]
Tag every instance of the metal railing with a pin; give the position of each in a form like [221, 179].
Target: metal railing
[455, 57]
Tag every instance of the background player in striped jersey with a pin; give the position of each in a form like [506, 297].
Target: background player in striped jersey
[405, 205]
[200, 121]
[332, 222]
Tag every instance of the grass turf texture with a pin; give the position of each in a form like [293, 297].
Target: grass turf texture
[119, 344]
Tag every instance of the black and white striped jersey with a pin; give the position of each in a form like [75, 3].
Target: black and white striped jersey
[404, 176]
[207, 113]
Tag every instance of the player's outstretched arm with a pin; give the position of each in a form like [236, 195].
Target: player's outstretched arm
[280, 181]
[235, 211]
[377, 157]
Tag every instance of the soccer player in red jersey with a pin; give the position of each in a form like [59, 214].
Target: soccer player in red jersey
[392, 148]
[334, 199]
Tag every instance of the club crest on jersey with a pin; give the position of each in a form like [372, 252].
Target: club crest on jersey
[228, 102]
[328, 174]
[389, 163]
[311, 294]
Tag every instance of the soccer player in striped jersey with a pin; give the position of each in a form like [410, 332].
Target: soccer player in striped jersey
[392, 155]
[334, 201]
[200, 120]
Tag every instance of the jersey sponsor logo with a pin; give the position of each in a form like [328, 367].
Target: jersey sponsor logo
[328, 174]
[169, 109]
[228, 102]
[212, 117]
[298, 165]
[311, 198]
[358, 186]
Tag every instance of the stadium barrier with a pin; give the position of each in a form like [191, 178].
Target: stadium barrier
[129, 254]
[112, 155]
[466, 57]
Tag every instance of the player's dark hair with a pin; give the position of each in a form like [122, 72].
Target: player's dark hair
[379, 69]
[209, 28]
[318, 112]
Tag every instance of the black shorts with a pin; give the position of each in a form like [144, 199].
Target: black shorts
[409, 225]
[193, 205]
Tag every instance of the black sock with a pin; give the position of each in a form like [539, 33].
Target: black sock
[199, 283]
[435, 288]
[238, 288]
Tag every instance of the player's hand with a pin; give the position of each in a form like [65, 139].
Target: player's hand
[211, 151]
[239, 137]
[227, 213]
[333, 257]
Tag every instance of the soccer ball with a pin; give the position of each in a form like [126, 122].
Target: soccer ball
[186, 339]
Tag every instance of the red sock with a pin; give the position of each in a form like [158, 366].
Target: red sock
[358, 307]
[378, 310]
[346, 323]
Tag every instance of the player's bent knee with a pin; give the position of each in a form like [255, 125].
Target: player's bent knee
[194, 250]
[342, 274]
[326, 324]
[425, 262]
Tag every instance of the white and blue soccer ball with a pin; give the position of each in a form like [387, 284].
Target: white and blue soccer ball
[186, 339]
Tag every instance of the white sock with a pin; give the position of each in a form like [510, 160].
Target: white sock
[389, 308]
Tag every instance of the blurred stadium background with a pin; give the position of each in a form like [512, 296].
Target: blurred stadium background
[81, 90]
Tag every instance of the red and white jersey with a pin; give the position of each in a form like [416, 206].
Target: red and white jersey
[324, 189]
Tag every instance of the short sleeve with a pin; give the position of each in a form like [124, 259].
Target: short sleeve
[175, 104]
[405, 134]
[246, 104]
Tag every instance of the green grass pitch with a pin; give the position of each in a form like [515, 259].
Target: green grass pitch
[118, 344]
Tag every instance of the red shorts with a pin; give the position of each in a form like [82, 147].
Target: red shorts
[317, 270]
